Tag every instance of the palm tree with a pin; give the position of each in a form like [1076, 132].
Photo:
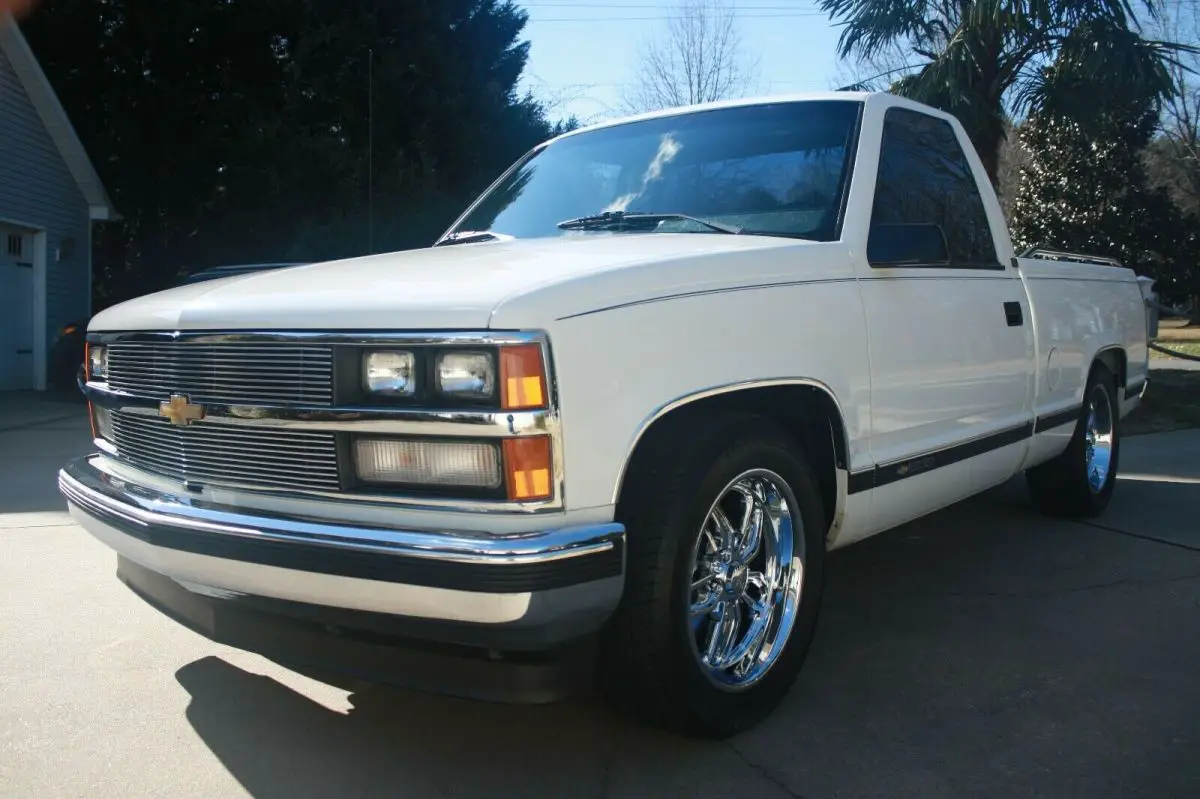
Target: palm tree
[975, 58]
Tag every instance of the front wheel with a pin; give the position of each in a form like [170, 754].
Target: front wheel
[726, 551]
[1081, 480]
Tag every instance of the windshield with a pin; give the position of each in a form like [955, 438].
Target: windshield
[777, 169]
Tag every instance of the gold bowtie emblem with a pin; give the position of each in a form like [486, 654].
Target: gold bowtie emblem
[180, 411]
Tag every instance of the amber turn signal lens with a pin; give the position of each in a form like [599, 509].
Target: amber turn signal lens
[527, 468]
[522, 377]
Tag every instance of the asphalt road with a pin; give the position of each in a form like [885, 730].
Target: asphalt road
[984, 651]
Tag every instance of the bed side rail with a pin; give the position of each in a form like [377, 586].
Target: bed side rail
[1047, 254]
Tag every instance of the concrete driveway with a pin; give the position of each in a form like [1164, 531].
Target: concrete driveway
[985, 651]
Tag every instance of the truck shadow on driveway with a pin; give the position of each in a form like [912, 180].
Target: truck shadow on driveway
[983, 651]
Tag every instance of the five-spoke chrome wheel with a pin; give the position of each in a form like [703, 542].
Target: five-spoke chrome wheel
[1098, 438]
[746, 581]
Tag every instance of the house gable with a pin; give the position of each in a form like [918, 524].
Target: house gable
[49, 210]
[22, 64]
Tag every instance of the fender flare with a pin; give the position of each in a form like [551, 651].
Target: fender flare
[841, 444]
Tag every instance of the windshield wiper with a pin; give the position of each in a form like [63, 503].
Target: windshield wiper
[610, 219]
[472, 237]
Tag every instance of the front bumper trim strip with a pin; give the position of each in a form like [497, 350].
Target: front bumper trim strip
[460, 561]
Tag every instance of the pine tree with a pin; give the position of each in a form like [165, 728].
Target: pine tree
[270, 130]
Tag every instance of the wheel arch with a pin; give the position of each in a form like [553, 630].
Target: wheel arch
[807, 408]
[1114, 358]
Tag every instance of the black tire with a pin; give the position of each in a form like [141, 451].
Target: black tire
[1061, 486]
[647, 665]
[66, 359]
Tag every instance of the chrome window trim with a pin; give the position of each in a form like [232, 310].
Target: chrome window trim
[475, 422]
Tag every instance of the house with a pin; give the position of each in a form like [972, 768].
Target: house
[50, 196]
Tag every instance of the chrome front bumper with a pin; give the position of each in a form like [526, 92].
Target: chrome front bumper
[542, 586]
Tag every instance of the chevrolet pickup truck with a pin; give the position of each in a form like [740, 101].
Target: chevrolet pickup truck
[612, 422]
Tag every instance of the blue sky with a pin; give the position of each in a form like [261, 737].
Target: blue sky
[586, 50]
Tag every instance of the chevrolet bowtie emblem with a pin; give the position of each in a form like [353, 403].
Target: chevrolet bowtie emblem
[180, 411]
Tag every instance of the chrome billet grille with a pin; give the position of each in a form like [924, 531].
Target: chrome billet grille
[210, 452]
[228, 373]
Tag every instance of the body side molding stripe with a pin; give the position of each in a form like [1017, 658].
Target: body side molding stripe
[790, 283]
[706, 292]
[1057, 419]
[881, 475]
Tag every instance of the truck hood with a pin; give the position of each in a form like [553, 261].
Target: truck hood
[454, 287]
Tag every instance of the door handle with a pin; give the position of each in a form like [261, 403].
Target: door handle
[1013, 314]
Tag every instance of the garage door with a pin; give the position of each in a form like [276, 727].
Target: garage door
[16, 309]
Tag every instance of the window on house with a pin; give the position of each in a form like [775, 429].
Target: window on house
[15, 242]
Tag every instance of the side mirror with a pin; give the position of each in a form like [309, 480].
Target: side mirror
[918, 244]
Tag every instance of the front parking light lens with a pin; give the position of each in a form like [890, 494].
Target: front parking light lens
[522, 377]
[469, 464]
[390, 373]
[527, 468]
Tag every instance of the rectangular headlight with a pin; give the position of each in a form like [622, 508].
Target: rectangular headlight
[435, 463]
[466, 374]
[390, 373]
[98, 362]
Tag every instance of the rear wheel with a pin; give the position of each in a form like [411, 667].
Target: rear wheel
[726, 552]
[1081, 480]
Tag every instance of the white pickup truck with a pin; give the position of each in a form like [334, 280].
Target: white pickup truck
[614, 418]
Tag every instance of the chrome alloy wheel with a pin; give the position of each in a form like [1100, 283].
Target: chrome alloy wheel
[1098, 439]
[746, 580]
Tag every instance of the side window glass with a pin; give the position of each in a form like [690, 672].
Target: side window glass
[924, 182]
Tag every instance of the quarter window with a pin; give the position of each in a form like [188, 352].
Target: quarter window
[924, 179]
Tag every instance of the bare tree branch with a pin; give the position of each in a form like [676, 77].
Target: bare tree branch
[876, 72]
[1174, 159]
[697, 59]
[556, 99]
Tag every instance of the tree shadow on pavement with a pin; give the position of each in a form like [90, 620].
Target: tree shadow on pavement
[983, 651]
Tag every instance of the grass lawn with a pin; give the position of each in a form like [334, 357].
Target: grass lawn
[1178, 329]
[1173, 335]
[1186, 347]
[1173, 400]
